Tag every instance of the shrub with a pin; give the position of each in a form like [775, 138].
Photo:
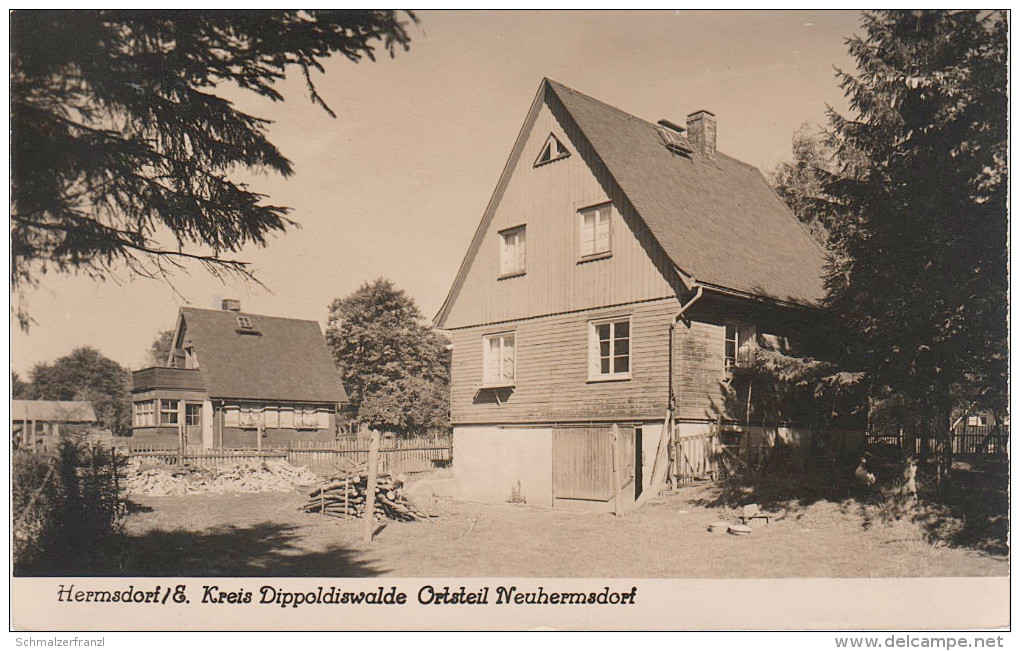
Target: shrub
[67, 509]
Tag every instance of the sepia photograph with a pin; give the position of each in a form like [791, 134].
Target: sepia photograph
[566, 308]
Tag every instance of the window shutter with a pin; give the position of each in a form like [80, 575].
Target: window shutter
[587, 233]
[491, 360]
[508, 358]
[286, 418]
[602, 231]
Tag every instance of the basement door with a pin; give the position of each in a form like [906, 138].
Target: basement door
[583, 463]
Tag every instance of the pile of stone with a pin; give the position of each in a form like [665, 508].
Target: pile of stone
[242, 476]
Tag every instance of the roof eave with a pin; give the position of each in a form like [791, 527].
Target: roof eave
[761, 298]
[440, 319]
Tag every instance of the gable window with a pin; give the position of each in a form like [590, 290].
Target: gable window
[145, 413]
[739, 341]
[596, 231]
[190, 358]
[552, 150]
[609, 349]
[512, 253]
[499, 360]
[168, 412]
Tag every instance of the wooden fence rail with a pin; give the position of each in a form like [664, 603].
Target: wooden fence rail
[966, 440]
[408, 456]
[695, 457]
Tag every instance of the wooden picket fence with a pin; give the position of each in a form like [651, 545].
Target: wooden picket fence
[199, 456]
[696, 457]
[407, 456]
[966, 440]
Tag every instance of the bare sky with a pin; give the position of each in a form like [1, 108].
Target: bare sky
[396, 185]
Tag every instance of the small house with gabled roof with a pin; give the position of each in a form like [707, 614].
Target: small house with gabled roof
[35, 420]
[233, 376]
[621, 271]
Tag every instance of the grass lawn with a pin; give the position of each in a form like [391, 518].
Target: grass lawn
[266, 535]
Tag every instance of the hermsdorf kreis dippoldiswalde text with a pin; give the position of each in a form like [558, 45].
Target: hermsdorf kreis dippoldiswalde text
[216, 594]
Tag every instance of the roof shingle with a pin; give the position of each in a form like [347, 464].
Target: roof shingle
[287, 360]
[717, 220]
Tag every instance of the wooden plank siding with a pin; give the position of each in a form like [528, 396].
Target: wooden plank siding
[552, 370]
[546, 200]
[549, 306]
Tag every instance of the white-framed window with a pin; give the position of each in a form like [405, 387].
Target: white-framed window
[499, 359]
[145, 413]
[738, 346]
[513, 251]
[609, 349]
[305, 418]
[286, 418]
[250, 415]
[552, 150]
[596, 224]
[245, 323]
[168, 412]
[271, 416]
[977, 421]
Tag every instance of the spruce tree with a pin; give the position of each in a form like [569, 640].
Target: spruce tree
[919, 276]
[122, 152]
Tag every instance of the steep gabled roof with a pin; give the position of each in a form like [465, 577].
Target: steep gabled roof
[717, 220]
[287, 360]
[53, 411]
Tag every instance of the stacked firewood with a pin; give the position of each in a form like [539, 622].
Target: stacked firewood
[344, 494]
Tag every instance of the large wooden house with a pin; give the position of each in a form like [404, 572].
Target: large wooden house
[232, 378]
[620, 272]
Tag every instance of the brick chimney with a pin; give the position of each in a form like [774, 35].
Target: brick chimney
[231, 305]
[701, 132]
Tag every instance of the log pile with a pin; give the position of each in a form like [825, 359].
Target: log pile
[343, 496]
[243, 476]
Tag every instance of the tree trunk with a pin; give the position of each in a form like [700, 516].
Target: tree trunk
[941, 423]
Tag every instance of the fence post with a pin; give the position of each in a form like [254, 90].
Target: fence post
[373, 476]
[617, 493]
[116, 479]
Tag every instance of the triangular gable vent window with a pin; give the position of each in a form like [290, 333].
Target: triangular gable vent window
[552, 150]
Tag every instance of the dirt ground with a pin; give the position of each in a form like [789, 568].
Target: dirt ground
[266, 535]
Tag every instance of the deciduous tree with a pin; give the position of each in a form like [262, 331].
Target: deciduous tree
[86, 374]
[159, 351]
[395, 367]
[801, 183]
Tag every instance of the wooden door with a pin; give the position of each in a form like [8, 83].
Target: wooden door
[193, 423]
[583, 464]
